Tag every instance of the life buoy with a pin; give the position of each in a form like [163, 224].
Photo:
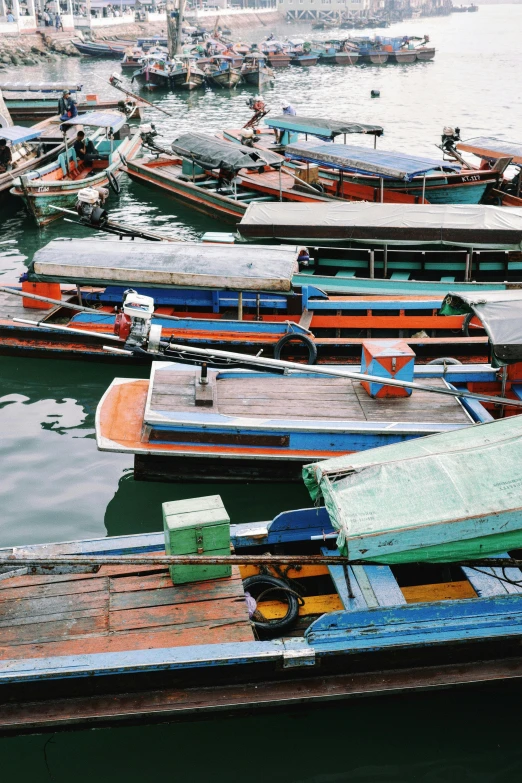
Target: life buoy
[300, 338]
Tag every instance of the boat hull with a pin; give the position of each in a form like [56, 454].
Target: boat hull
[378, 58]
[279, 60]
[406, 56]
[425, 55]
[227, 80]
[305, 60]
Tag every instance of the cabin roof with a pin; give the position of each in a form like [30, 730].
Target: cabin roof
[363, 160]
[386, 224]
[490, 147]
[213, 153]
[183, 265]
[321, 127]
[17, 135]
[501, 315]
[373, 497]
[39, 86]
[101, 119]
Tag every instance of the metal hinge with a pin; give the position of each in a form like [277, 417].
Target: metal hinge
[199, 540]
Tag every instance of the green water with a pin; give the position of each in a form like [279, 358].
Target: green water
[55, 486]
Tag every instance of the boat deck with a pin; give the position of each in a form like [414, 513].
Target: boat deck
[118, 608]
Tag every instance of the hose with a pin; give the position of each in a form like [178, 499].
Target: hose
[255, 584]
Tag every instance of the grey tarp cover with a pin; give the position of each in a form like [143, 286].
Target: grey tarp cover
[99, 119]
[468, 225]
[16, 134]
[442, 497]
[499, 148]
[185, 265]
[320, 126]
[364, 160]
[212, 153]
[501, 315]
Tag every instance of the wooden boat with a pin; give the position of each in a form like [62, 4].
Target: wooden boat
[29, 102]
[255, 70]
[259, 426]
[336, 52]
[402, 56]
[195, 174]
[221, 73]
[504, 153]
[137, 641]
[226, 310]
[58, 183]
[132, 59]
[31, 148]
[276, 54]
[425, 53]
[438, 181]
[114, 50]
[180, 73]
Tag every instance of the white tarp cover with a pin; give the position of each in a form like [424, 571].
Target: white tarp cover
[443, 497]
[501, 315]
[466, 225]
[186, 265]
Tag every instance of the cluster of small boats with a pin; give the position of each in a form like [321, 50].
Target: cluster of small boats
[362, 331]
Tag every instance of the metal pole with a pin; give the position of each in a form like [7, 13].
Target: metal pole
[467, 270]
[167, 560]
[385, 262]
[313, 369]
[281, 184]
[58, 328]
[423, 188]
[240, 306]
[382, 190]
[372, 264]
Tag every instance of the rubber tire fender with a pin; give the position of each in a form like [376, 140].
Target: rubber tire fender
[113, 183]
[271, 582]
[466, 323]
[445, 360]
[293, 337]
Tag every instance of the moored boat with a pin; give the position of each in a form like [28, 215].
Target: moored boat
[58, 183]
[221, 73]
[255, 70]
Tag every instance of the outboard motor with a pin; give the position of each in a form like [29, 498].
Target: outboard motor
[450, 136]
[89, 206]
[134, 323]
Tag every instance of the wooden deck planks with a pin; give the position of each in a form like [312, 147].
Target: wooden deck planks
[119, 608]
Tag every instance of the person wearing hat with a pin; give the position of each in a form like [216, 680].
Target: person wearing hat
[67, 108]
[289, 109]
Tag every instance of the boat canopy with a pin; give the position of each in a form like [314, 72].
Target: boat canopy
[39, 86]
[487, 147]
[501, 315]
[323, 128]
[473, 225]
[363, 160]
[212, 153]
[445, 497]
[183, 265]
[18, 135]
[100, 119]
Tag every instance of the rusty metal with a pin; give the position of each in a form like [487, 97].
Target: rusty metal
[168, 560]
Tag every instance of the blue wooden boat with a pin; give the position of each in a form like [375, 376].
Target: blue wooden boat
[99, 632]
[437, 181]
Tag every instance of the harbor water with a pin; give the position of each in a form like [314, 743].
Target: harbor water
[55, 485]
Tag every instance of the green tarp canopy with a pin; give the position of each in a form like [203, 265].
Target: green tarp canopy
[501, 315]
[441, 498]
[212, 153]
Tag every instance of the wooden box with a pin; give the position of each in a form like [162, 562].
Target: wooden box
[387, 359]
[197, 526]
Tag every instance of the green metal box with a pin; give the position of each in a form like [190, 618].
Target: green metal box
[190, 169]
[197, 526]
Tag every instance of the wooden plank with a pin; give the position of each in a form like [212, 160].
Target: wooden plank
[29, 581]
[26, 610]
[171, 596]
[51, 589]
[302, 572]
[384, 585]
[89, 621]
[201, 613]
[314, 604]
[443, 591]
[137, 640]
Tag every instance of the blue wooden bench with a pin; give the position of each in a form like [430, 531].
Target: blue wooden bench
[372, 586]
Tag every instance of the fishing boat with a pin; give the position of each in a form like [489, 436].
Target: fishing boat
[255, 70]
[33, 101]
[276, 53]
[388, 172]
[221, 73]
[132, 59]
[112, 49]
[154, 636]
[180, 73]
[207, 174]
[372, 51]
[238, 297]
[337, 52]
[31, 148]
[58, 183]
[302, 53]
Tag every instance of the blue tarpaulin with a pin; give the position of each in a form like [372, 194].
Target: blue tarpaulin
[17, 135]
[363, 160]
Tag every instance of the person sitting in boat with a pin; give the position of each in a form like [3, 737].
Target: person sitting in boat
[67, 108]
[85, 149]
[288, 109]
[6, 159]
